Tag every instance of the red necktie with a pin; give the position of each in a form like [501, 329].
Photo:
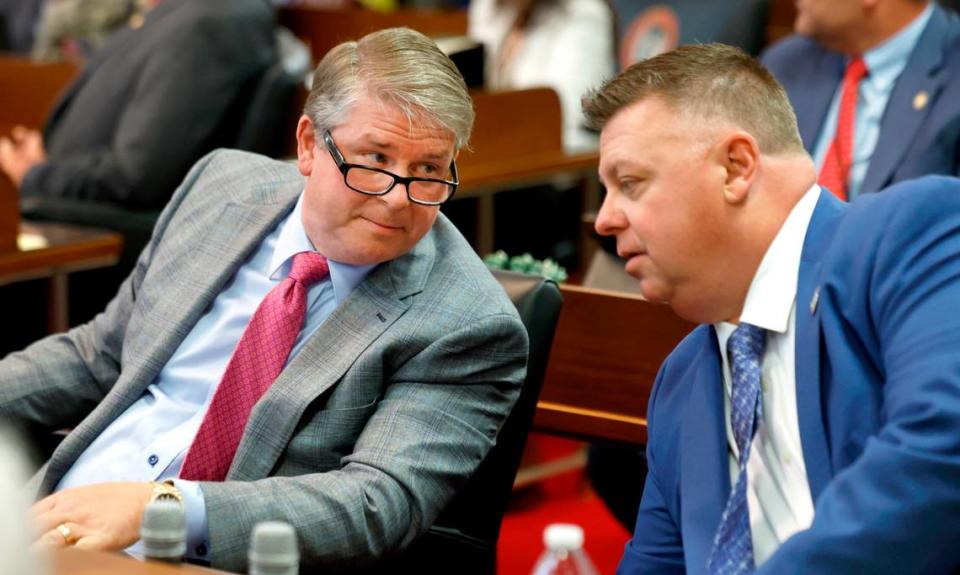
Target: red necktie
[256, 362]
[836, 166]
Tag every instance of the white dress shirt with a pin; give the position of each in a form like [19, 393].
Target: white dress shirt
[778, 493]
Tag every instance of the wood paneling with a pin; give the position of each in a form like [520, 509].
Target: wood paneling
[28, 91]
[603, 363]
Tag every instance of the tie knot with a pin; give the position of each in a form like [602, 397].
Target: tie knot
[747, 341]
[856, 70]
[309, 268]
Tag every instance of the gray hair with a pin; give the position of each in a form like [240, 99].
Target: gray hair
[708, 81]
[398, 66]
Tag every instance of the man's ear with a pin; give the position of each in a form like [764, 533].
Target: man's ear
[306, 145]
[741, 157]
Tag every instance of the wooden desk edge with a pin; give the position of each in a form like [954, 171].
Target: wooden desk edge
[589, 424]
[97, 252]
[71, 561]
[479, 179]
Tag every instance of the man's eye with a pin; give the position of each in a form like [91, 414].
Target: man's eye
[428, 170]
[632, 186]
[376, 158]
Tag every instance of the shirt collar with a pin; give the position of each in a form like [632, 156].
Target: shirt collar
[887, 60]
[293, 240]
[774, 286]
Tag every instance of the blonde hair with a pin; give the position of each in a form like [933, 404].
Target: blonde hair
[398, 66]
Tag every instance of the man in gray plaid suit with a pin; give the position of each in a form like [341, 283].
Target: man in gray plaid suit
[409, 358]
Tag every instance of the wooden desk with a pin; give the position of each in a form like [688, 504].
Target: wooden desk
[76, 562]
[57, 250]
[29, 89]
[324, 28]
[605, 356]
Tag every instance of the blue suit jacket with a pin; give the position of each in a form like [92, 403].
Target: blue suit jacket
[912, 143]
[878, 400]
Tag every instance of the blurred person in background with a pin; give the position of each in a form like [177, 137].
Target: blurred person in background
[876, 88]
[567, 45]
[76, 29]
[154, 99]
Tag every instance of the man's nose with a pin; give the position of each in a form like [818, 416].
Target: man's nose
[397, 197]
[610, 219]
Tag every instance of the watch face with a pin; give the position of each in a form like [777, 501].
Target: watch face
[165, 492]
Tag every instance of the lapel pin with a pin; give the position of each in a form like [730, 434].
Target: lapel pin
[920, 100]
[814, 300]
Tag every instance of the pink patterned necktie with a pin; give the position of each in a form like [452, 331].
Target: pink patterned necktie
[256, 362]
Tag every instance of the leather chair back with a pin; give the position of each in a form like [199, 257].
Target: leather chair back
[463, 540]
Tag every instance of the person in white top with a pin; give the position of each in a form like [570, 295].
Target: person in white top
[810, 424]
[567, 45]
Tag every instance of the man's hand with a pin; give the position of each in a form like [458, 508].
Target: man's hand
[20, 152]
[104, 516]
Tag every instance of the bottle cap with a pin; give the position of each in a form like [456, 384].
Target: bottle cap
[164, 530]
[274, 543]
[563, 536]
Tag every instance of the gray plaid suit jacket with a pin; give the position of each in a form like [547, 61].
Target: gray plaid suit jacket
[370, 429]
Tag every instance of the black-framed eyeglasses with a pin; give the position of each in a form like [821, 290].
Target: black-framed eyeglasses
[376, 182]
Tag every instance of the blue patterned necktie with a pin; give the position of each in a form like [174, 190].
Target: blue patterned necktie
[732, 552]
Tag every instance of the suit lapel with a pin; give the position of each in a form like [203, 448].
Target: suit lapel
[230, 239]
[901, 119]
[215, 257]
[812, 96]
[354, 326]
[813, 437]
[704, 465]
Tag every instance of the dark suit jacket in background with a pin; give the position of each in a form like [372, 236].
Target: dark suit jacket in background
[878, 402]
[912, 143]
[152, 102]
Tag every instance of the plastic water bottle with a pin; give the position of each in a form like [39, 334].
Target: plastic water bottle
[564, 554]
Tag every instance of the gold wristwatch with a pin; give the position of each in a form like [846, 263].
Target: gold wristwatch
[166, 491]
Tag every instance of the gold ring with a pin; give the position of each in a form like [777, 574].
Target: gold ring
[62, 529]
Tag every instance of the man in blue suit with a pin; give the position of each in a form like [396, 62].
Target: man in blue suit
[812, 424]
[905, 106]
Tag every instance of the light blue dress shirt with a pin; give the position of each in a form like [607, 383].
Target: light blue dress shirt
[885, 63]
[149, 441]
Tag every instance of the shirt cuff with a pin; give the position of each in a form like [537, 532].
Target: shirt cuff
[195, 509]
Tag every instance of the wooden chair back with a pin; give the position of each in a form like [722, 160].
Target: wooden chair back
[605, 356]
[28, 91]
[324, 28]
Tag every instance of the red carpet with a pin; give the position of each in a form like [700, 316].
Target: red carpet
[563, 498]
